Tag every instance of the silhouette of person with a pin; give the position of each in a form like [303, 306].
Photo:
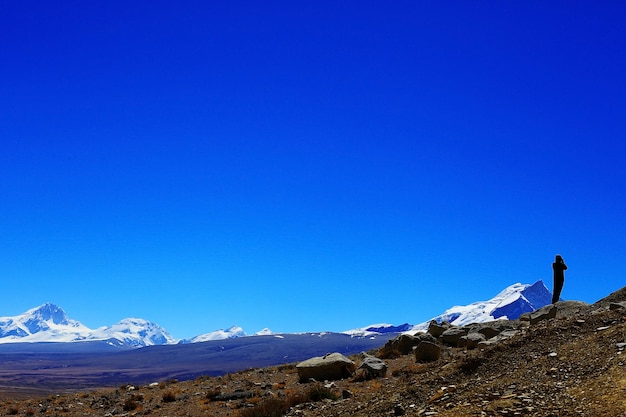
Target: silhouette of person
[558, 266]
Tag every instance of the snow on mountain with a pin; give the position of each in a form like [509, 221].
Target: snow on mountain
[510, 303]
[230, 333]
[45, 323]
[376, 329]
[264, 332]
[49, 323]
[135, 332]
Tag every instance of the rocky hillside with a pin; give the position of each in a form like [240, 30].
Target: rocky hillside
[564, 362]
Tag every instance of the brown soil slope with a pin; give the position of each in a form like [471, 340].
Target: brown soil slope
[567, 366]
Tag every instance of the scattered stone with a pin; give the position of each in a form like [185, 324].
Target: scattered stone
[399, 410]
[325, 368]
[237, 395]
[599, 329]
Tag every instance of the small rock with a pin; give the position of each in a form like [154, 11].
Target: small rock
[398, 410]
[617, 306]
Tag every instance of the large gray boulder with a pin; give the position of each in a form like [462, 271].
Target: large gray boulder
[373, 367]
[325, 368]
[452, 336]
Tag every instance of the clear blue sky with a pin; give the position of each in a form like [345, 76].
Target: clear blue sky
[307, 165]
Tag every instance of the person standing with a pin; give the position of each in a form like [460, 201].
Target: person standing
[558, 266]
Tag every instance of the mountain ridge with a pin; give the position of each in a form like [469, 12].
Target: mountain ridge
[50, 323]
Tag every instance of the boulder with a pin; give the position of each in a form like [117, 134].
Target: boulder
[452, 336]
[473, 339]
[373, 367]
[507, 334]
[545, 313]
[437, 329]
[325, 368]
[617, 306]
[427, 352]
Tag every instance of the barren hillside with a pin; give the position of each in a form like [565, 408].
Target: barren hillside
[571, 365]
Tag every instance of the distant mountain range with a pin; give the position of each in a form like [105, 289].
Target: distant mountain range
[49, 323]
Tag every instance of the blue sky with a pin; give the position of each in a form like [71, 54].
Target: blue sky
[307, 166]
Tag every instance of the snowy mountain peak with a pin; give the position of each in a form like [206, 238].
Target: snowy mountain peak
[47, 312]
[510, 303]
[136, 332]
[230, 333]
[49, 323]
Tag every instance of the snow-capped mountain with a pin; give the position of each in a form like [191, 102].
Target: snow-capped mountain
[136, 332]
[376, 329]
[230, 333]
[49, 323]
[510, 303]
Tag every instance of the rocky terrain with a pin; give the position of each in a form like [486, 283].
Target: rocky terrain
[568, 362]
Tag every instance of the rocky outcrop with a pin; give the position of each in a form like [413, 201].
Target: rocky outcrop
[405, 343]
[325, 368]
